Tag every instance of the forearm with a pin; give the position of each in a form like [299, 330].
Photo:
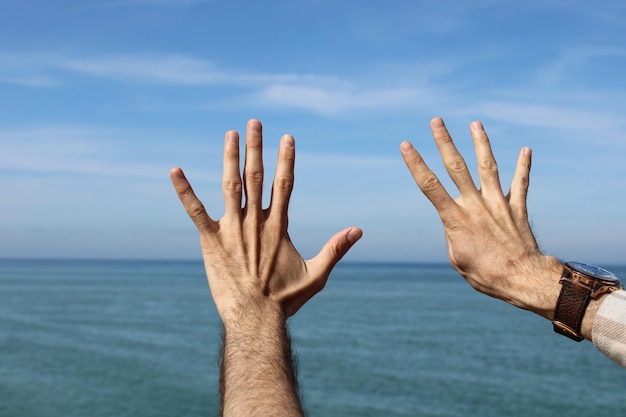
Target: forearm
[256, 275]
[540, 289]
[257, 373]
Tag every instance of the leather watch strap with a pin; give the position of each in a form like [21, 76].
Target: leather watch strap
[570, 308]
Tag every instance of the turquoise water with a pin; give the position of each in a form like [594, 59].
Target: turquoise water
[96, 338]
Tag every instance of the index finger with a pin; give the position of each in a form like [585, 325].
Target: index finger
[426, 180]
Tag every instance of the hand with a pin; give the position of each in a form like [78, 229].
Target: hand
[490, 242]
[249, 259]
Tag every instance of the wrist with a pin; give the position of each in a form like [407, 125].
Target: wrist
[584, 288]
[253, 317]
[540, 277]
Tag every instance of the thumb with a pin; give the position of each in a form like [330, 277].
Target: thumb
[336, 247]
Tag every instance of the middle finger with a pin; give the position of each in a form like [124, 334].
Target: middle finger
[253, 167]
[452, 159]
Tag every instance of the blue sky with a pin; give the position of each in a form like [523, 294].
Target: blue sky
[99, 98]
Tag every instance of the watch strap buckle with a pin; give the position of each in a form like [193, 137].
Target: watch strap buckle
[567, 331]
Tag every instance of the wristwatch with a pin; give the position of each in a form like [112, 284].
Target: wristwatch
[580, 283]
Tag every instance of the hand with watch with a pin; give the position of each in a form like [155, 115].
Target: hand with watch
[580, 284]
[491, 244]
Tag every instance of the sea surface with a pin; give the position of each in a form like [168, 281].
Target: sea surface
[141, 338]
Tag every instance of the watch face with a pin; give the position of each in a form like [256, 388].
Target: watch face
[593, 271]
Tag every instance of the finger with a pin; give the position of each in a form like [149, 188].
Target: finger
[426, 180]
[192, 204]
[336, 247]
[253, 168]
[487, 166]
[452, 159]
[519, 188]
[231, 178]
[283, 180]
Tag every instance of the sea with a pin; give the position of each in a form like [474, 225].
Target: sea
[95, 338]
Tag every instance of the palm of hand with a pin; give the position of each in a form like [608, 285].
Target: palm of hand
[236, 276]
[249, 258]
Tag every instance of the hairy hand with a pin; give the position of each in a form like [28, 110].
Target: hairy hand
[490, 242]
[249, 259]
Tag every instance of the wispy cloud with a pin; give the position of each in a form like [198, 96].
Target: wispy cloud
[607, 11]
[63, 151]
[175, 70]
[559, 117]
[156, 68]
[331, 101]
[320, 93]
[29, 81]
[90, 152]
[572, 61]
[557, 101]
[134, 3]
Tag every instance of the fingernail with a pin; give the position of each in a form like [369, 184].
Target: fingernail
[232, 137]
[255, 125]
[437, 122]
[406, 146]
[176, 172]
[527, 151]
[354, 235]
[288, 141]
[478, 126]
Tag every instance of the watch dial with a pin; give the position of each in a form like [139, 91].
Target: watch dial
[593, 271]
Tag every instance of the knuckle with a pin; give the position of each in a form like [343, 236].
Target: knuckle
[444, 138]
[196, 209]
[288, 157]
[454, 222]
[231, 152]
[524, 182]
[520, 214]
[186, 192]
[254, 177]
[255, 143]
[456, 165]
[233, 186]
[488, 164]
[283, 183]
[336, 250]
[430, 182]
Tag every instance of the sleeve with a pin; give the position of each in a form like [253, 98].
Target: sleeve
[609, 327]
